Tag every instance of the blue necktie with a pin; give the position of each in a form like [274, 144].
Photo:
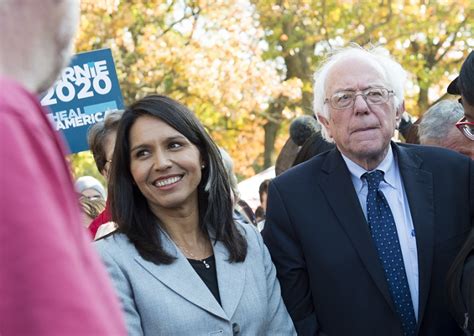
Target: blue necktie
[384, 234]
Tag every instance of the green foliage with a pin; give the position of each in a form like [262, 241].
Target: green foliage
[83, 164]
[234, 62]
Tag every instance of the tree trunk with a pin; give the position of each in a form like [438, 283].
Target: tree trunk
[423, 102]
[271, 129]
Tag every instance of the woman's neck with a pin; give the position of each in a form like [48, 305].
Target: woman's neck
[187, 235]
[183, 227]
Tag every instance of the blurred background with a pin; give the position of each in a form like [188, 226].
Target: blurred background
[246, 67]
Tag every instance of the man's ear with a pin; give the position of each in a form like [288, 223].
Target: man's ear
[400, 110]
[323, 121]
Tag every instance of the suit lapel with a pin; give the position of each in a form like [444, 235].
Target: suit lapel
[418, 185]
[181, 278]
[339, 191]
[231, 279]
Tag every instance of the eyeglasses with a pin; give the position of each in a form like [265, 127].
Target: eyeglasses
[346, 99]
[466, 127]
[91, 197]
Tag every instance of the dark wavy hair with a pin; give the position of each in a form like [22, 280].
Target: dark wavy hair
[129, 207]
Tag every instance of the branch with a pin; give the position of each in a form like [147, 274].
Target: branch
[193, 29]
[453, 41]
[323, 23]
[171, 26]
[362, 37]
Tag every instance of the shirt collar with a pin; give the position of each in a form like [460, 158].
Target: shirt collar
[387, 166]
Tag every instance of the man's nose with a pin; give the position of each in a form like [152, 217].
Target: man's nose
[360, 104]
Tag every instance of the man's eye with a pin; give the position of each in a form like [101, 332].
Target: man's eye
[374, 93]
[342, 97]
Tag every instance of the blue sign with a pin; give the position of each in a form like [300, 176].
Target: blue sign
[87, 89]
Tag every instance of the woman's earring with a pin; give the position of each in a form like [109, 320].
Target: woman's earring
[203, 166]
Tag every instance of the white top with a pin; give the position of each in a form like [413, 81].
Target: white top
[394, 191]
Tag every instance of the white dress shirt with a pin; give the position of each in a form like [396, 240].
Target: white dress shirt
[394, 191]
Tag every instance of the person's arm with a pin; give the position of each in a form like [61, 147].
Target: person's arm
[123, 289]
[286, 253]
[51, 281]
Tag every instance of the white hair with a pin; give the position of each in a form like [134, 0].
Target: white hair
[36, 40]
[439, 120]
[393, 75]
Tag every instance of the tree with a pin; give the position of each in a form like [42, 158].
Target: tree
[206, 54]
[246, 66]
[430, 39]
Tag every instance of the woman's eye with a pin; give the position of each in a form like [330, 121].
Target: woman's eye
[142, 153]
[174, 145]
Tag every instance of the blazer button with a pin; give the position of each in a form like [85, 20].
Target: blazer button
[235, 328]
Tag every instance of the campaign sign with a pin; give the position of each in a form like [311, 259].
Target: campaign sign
[86, 91]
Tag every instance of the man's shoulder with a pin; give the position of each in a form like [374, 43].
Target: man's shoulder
[21, 114]
[14, 97]
[431, 155]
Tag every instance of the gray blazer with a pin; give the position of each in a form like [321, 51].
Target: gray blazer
[173, 300]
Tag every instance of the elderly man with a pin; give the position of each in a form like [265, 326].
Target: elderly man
[438, 128]
[51, 281]
[362, 236]
[464, 85]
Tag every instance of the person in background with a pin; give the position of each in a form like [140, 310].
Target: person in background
[438, 128]
[263, 193]
[51, 282]
[305, 131]
[313, 146]
[260, 217]
[464, 85]
[180, 263]
[460, 283]
[101, 139]
[90, 187]
[405, 125]
[242, 211]
[363, 235]
[91, 208]
[411, 134]
[261, 209]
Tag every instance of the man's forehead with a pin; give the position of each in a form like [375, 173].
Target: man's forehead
[355, 73]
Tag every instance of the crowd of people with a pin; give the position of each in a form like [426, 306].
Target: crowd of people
[360, 234]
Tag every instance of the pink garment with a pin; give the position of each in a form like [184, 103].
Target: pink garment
[51, 280]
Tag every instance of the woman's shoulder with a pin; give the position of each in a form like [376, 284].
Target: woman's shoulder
[250, 233]
[114, 243]
[244, 227]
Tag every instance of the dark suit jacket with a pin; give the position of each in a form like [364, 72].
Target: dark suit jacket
[331, 278]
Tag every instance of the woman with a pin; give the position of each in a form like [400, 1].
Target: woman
[180, 264]
[101, 139]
